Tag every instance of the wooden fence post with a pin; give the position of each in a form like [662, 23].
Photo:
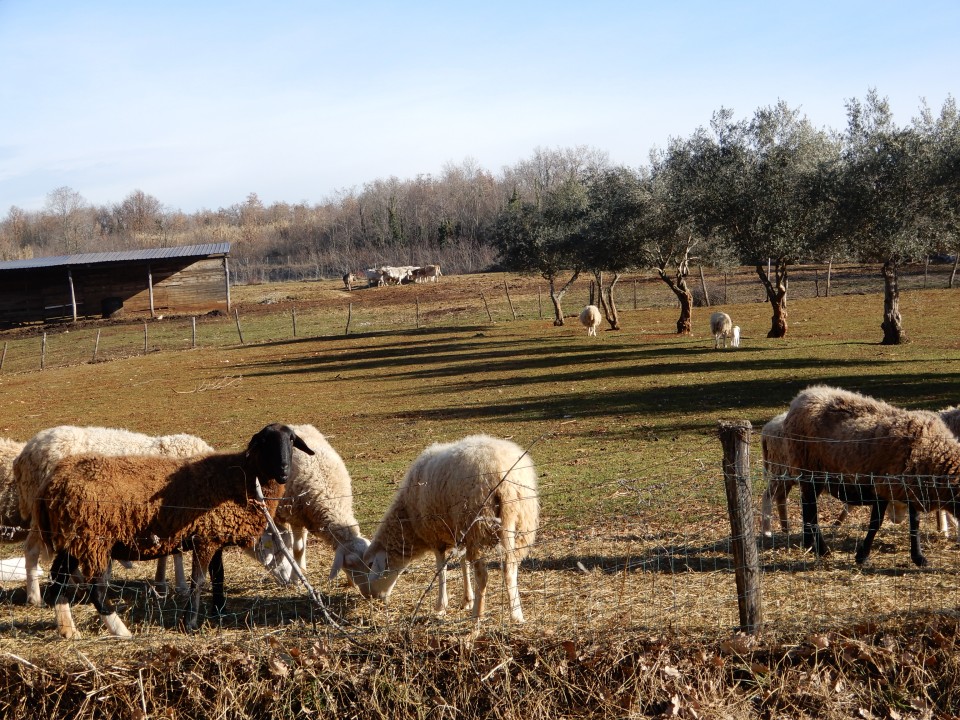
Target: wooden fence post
[703, 286]
[349, 317]
[634, 293]
[144, 337]
[293, 313]
[489, 316]
[539, 303]
[236, 315]
[417, 298]
[829, 275]
[3, 357]
[96, 347]
[735, 439]
[193, 323]
[509, 301]
[43, 352]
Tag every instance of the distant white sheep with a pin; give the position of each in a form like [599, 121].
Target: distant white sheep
[591, 318]
[474, 494]
[722, 328]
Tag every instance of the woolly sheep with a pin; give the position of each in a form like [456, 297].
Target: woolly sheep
[95, 507]
[883, 454]
[10, 515]
[722, 327]
[473, 494]
[44, 450]
[318, 498]
[591, 318]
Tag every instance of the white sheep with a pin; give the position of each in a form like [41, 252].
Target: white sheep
[471, 495]
[591, 318]
[96, 507]
[44, 450]
[318, 498]
[866, 452]
[722, 327]
[11, 519]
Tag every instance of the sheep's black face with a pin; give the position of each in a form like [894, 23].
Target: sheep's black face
[271, 452]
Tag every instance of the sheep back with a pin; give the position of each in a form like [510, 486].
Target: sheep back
[460, 494]
[841, 432]
[590, 316]
[45, 449]
[720, 324]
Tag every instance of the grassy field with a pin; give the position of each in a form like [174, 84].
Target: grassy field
[629, 593]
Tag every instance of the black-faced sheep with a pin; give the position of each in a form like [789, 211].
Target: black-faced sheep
[95, 507]
[474, 494]
[866, 452]
[319, 498]
[722, 328]
[591, 318]
[48, 447]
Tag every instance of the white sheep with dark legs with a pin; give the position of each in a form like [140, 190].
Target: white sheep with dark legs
[591, 319]
[44, 450]
[318, 498]
[471, 495]
[96, 507]
[722, 328]
[867, 452]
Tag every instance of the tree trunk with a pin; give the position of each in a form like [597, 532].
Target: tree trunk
[605, 298]
[892, 324]
[777, 295]
[557, 295]
[679, 287]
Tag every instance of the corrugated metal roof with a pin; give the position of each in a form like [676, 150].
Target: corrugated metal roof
[184, 251]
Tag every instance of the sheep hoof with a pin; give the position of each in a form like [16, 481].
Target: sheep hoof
[919, 560]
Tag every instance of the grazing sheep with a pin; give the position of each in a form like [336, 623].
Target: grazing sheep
[426, 273]
[374, 277]
[10, 515]
[348, 279]
[44, 450]
[318, 498]
[591, 318]
[473, 494]
[96, 507]
[722, 327]
[866, 452]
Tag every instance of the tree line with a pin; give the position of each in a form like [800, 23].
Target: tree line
[768, 191]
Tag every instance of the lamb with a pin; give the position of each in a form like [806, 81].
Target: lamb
[473, 494]
[44, 450]
[319, 498]
[866, 452]
[96, 507]
[14, 526]
[722, 327]
[591, 318]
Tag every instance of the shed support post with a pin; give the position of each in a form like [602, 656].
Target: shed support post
[150, 288]
[73, 294]
[226, 280]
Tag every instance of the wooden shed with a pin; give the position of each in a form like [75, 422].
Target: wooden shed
[187, 279]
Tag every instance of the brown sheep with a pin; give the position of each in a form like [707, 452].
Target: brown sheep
[142, 508]
[867, 452]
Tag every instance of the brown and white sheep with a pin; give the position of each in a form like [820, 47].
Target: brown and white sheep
[867, 452]
[48, 447]
[722, 327]
[591, 318]
[95, 507]
[474, 494]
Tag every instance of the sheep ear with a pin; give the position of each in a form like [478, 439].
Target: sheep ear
[301, 445]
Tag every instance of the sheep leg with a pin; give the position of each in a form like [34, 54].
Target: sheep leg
[441, 558]
[198, 578]
[160, 576]
[467, 586]
[510, 571]
[60, 571]
[32, 549]
[216, 583]
[916, 553]
[298, 543]
[479, 602]
[877, 511]
[108, 614]
[766, 511]
[812, 537]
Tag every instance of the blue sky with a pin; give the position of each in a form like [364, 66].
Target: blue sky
[202, 103]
